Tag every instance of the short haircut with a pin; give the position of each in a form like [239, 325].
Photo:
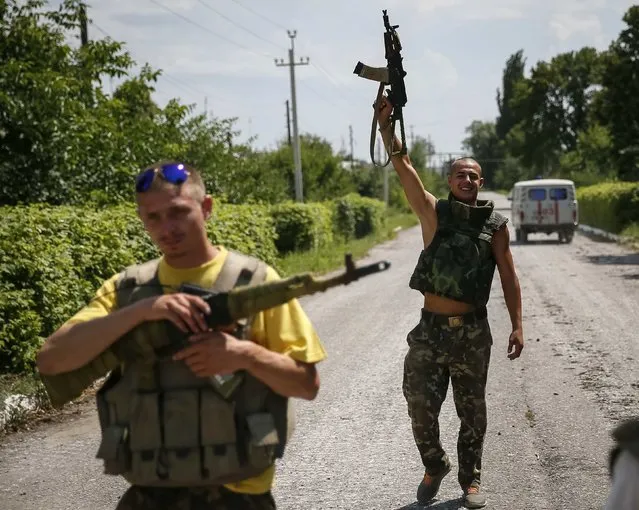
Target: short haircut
[194, 184]
[467, 159]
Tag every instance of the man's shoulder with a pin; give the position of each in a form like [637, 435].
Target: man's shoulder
[253, 263]
[138, 270]
[497, 220]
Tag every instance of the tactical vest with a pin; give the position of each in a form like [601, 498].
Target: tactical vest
[459, 263]
[163, 426]
[626, 438]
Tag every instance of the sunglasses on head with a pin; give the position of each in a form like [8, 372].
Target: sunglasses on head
[175, 173]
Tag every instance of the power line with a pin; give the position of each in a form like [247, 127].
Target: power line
[238, 25]
[274, 23]
[187, 87]
[261, 15]
[202, 27]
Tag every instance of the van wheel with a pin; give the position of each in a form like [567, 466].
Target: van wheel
[568, 235]
[524, 236]
[518, 234]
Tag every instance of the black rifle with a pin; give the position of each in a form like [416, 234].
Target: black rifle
[393, 75]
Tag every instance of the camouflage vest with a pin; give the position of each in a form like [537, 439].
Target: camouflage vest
[626, 438]
[459, 263]
[163, 426]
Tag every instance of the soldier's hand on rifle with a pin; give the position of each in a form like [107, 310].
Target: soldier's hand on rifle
[384, 111]
[213, 353]
[186, 311]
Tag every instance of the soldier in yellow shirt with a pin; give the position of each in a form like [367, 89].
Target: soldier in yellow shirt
[164, 429]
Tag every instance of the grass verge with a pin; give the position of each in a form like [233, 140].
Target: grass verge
[22, 398]
[331, 257]
[31, 392]
[630, 235]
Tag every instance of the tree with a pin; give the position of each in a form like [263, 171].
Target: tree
[620, 97]
[483, 145]
[419, 151]
[62, 140]
[512, 74]
[589, 163]
[553, 107]
[323, 174]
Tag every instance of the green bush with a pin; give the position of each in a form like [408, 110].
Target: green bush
[302, 226]
[355, 216]
[52, 260]
[610, 206]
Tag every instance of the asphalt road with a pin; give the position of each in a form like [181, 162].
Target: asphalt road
[550, 411]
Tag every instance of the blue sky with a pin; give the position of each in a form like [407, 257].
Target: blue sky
[454, 54]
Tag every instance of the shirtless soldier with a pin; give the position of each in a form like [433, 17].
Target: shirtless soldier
[464, 240]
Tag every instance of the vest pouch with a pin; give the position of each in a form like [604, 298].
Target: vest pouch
[220, 461]
[217, 419]
[144, 467]
[180, 415]
[145, 433]
[218, 435]
[184, 465]
[114, 450]
[180, 412]
[263, 439]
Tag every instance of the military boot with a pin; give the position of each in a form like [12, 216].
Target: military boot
[473, 498]
[429, 486]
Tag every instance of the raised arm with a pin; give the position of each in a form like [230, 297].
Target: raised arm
[421, 201]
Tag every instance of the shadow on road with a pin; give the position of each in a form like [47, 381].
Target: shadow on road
[615, 260]
[452, 504]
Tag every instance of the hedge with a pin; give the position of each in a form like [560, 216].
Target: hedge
[610, 206]
[356, 216]
[302, 226]
[52, 259]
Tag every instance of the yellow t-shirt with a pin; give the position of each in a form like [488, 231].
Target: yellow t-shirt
[285, 329]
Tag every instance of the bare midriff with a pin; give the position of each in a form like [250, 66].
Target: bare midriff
[445, 306]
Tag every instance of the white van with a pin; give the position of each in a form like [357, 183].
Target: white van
[544, 205]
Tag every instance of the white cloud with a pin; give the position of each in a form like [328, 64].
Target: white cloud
[565, 25]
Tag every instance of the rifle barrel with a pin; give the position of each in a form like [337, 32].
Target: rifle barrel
[246, 301]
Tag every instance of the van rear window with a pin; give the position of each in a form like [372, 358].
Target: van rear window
[558, 193]
[537, 194]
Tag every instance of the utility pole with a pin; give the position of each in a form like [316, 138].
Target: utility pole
[84, 31]
[350, 134]
[206, 107]
[288, 123]
[297, 153]
[412, 137]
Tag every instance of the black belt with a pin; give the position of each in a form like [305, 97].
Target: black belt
[455, 321]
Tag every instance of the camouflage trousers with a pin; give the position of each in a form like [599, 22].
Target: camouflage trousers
[439, 353]
[214, 498]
